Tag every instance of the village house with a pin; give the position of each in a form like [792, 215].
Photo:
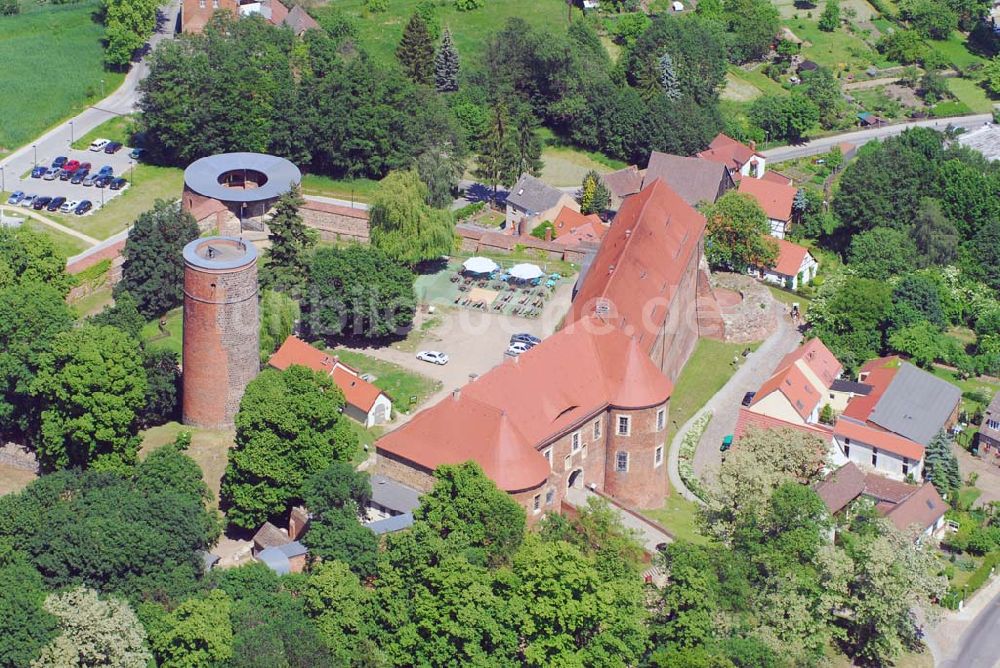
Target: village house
[278, 551]
[795, 266]
[989, 430]
[741, 160]
[621, 184]
[572, 228]
[775, 199]
[195, 14]
[364, 402]
[696, 180]
[797, 390]
[531, 202]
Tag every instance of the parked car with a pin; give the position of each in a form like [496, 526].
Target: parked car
[118, 184]
[52, 173]
[98, 144]
[748, 398]
[80, 175]
[432, 356]
[136, 153]
[83, 207]
[65, 176]
[69, 207]
[71, 166]
[106, 170]
[517, 348]
[88, 180]
[727, 443]
[60, 161]
[15, 197]
[529, 339]
[39, 171]
[55, 203]
[40, 203]
[102, 181]
[112, 147]
[28, 201]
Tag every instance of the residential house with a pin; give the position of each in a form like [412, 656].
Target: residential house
[391, 506]
[364, 402]
[984, 139]
[195, 14]
[741, 160]
[696, 180]
[909, 507]
[843, 390]
[797, 390]
[795, 266]
[572, 228]
[277, 550]
[775, 199]
[621, 184]
[989, 430]
[531, 202]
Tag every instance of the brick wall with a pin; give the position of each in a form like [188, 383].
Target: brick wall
[336, 223]
[403, 471]
[679, 334]
[478, 240]
[644, 484]
[79, 263]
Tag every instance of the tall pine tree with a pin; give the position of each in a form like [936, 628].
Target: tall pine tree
[941, 466]
[446, 64]
[668, 78]
[416, 51]
[596, 198]
[291, 241]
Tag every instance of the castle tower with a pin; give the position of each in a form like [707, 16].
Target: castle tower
[221, 328]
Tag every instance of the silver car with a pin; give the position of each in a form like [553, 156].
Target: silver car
[52, 174]
[432, 356]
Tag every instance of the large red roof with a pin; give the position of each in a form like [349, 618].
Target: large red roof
[748, 419]
[571, 227]
[818, 358]
[728, 151]
[640, 264]
[501, 419]
[879, 374]
[790, 257]
[357, 391]
[775, 198]
[796, 388]
[883, 440]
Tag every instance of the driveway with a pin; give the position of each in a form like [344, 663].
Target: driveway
[970, 638]
[989, 474]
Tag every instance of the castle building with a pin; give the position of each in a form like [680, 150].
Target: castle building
[221, 353]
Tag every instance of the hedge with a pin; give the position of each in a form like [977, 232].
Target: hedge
[685, 465]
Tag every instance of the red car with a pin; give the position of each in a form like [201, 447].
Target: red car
[84, 165]
[71, 166]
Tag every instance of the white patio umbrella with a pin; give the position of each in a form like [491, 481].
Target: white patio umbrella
[526, 271]
[480, 265]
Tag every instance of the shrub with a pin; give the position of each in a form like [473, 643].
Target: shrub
[9, 7]
[540, 231]
[686, 455]
[468, 5]
[469, 210]
[377, 6]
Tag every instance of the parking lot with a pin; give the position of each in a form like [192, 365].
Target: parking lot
[119, 162]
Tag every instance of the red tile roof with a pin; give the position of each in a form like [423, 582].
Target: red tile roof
[776, 199]
[818, 358]
[748, 419]
[357, 391]
[501, 419]
[777, 177]
[841, 487]
[883, 440]
[790, 257]
[903, 504]
[640, 264]
[728, 151]
[572, 227]
[793, 384]
[880, 373]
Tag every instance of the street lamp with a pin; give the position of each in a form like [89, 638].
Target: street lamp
[71, 138]
[35, 148]
[102, 89]
[130, 171]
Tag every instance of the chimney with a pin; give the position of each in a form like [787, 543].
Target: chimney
[548, 234]
[753, 145]
[456, 394]
[628, 233]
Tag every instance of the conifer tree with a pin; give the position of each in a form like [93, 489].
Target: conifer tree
[941, 466]
[291, 241]
[416, 51]
[446, 65]
[668, 78]
[595, 198]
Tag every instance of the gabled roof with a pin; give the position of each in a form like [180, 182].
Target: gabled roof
[299, 20]
[694, 179]
[501, 419]
[728, 151]
[814, 354]
[639, 266]
[776, 199]
[841, 487]
[270, 536]
[573, 227]
[883, 440]
[923, 508]
[790, 257]
[531, 194]
[357, 391]
[791, 382]
[916, 404]
[623, 182]
[877, 375]
[777, 177]
[854, 387]
[748, 419]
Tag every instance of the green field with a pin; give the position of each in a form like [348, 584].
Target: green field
[955, 51]
[358, 190]
[836, 50]
[380, 33]
[154, 337]
[51, 69]
[117, 129]
[394, 380]
[680, 517]
[971, 94]
[64, 243]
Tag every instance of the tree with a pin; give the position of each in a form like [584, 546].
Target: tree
[934, 87]
[941, 466]
[24, 624]
[337, 535]
[696, 50]
[992, 75]
[278, 315]
[169, 468]
[358, 291]
[90, 387]
[10, 7]
[786, 117]
[153, 272]
[196, 633]
[829, 20]
[936, 237]
[981, 254]
[920, 341]
[903, 46]
[527, 146]
[850, 316]
[917, 297]
[27, 256]
[337, 602]
[495, 162]
[416, 51]
[123, 314]
[738, 234]
[594, 195]
[668, 77]
[163, 380]
[929, 18]
[823, 89]
[94, 632]
[446, 66]
[881, 253]
[441, 168]
[289, 426]
[751, 26]
[337, 487]
[466, 503]
[403, 225]
[291, 243]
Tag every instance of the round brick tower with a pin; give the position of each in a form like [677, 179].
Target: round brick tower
[221, 328]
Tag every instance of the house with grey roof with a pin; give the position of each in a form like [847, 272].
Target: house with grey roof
[284, 559]
[989, 430]
[696, 180]
[621, 184]
[532, 201]
[985, 139]
[916, 405]
[391, 497]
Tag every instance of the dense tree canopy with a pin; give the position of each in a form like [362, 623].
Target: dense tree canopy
[404, 226]
[291, 243]
[738, 234]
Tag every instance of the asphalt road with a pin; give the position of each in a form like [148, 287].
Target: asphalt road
[824, 144]
[980, 644]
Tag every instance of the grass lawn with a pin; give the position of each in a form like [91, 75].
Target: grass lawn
[789, 298]
[380, 33]
[704, 374]
[564, 166]
[680, 517]
[149, 183]
[209, 448]
[64, 244]
[836, 50]
[366, 437]
[359, 190]
[763, 83]
[52, 68]
[950, 108]
[117, 129]
[93, 303]
[971, 94]
[968, 386]
[154, 338]
[955, 51]
[406, 388]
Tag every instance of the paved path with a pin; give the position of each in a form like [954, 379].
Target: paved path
[649, 535]
[970, 638]
[31, 213]
[859, 137]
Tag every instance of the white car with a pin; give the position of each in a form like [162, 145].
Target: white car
[432, 356]
[28, 201]
[99, 144]
[69, 206]
[517, 348]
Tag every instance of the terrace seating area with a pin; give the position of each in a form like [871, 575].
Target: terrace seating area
[499, 292]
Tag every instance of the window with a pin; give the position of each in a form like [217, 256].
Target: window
[567, 463]
[536, 503]
[584, 453]
[623, 425]
[548, 456]
[550, 497]
[575, 441]
[993, 424]
[847, 450]
[215, 4]
[831, 396]
[661, 419]
[621, 462]
[597, 429]
[906, 465]
[658, 456]
[201, 3]
[874, 456]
